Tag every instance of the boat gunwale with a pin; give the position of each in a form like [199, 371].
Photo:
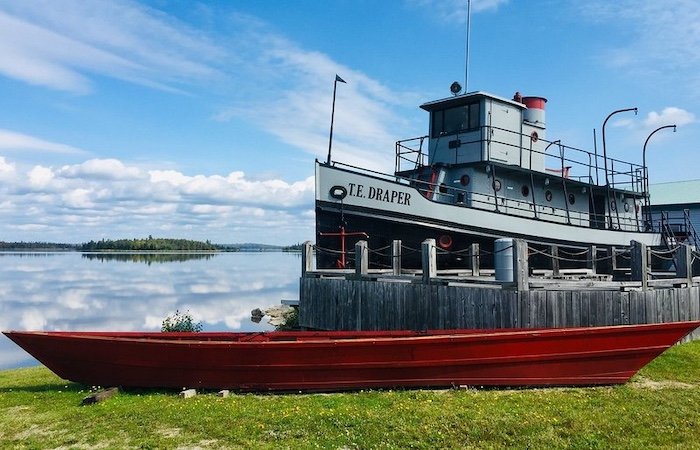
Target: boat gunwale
[315, 338]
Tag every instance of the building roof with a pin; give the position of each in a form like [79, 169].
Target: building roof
[675, 192]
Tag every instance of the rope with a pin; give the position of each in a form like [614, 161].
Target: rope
[666, 258]
[583, 252]
[333, 252]
[561, 258]
[459, 252]
[379, 252]
[666, 252]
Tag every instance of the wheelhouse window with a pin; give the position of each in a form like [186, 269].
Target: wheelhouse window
[456, 120]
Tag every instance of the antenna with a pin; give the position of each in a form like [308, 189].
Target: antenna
[466, 66]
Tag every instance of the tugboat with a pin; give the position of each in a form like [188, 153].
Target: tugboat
[485, 171]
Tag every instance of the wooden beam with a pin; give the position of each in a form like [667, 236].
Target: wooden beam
[429, 260]
[521, 268]
[99, 396]
[475, 260]
[307, 258]
[396, 257]
[361, 258]
[639, 263]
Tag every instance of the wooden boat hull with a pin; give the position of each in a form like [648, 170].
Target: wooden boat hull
[328, 361]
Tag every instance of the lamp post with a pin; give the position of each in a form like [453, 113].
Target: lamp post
[605, 164]
[605, 154]
[647, 218]
[330, 139]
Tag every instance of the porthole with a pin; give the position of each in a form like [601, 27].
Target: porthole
[548, 196]
[496, 185]
[464, 180]
[572, 199]
[613, 205]
[627, 207]
[525, 190]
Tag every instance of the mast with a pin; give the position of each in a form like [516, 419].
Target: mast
[468, 31]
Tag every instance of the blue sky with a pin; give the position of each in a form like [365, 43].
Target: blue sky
[202, 120]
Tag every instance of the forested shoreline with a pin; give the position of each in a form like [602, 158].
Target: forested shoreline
[146, 245]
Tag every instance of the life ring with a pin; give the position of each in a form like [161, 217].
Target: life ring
[338, 192]
[445, 242]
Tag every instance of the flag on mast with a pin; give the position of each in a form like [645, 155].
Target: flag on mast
[337, 78]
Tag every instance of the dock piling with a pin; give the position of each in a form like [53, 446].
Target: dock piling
[361, 258]
[639, 263]
[429, 260]
[396, 257]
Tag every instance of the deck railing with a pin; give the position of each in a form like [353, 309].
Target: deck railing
[581, 165]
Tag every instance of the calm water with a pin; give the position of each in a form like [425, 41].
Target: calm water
[74, 291]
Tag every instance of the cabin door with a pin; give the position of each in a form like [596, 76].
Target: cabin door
[504, 138]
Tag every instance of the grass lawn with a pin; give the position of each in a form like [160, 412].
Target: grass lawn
[659, 409]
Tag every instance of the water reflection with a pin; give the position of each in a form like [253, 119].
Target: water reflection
[66, 291]
[147, 258]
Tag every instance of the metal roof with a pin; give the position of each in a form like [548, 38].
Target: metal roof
[463, 99]
[675, 192]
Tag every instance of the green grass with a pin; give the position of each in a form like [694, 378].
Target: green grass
[659, 409]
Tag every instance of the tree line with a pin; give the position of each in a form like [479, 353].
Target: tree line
[149, 244]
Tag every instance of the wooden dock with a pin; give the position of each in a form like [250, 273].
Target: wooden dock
[391, 299]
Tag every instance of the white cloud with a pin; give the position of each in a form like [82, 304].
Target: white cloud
[662, 39]
[80, 202]
[11, 140]
[67, 45]
[455, 11]
[40, 177]
[298, 112]
[62, 45]
[669, 116]
[7, 170]
[108, 169]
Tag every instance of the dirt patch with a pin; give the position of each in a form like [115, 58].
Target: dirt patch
[169, 432]
[645, 383]
[201, 445]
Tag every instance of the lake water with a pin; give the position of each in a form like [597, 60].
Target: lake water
[135, 292]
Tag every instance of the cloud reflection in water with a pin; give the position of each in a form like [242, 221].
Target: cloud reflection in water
[127, 292]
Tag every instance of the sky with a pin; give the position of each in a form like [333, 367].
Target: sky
[202, 119]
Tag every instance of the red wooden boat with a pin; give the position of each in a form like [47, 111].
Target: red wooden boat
[326, 361]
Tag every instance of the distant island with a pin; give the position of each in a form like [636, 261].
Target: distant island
[149, 244]
[46, 246]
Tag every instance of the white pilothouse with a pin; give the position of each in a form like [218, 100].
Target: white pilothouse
[485, 171]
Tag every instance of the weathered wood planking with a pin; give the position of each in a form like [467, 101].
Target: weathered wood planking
[363, 304]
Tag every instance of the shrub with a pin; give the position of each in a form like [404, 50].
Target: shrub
[181, 322]
[291, 321]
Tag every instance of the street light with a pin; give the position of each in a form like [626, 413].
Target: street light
[646, 173]
[605, 154]
[605, 162]
[330, 139]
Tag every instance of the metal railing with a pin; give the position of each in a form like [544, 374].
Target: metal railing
[577, 164]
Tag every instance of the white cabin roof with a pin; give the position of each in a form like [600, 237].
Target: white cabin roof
[466, 98]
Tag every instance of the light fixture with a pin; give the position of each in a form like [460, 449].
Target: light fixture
[455, 88]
